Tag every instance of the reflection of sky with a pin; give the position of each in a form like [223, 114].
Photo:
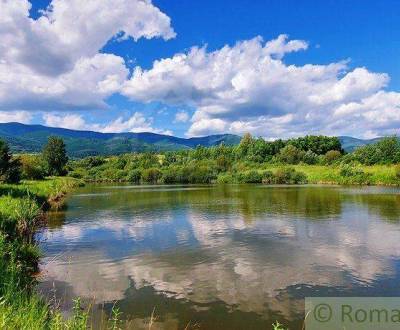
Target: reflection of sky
[195, 250]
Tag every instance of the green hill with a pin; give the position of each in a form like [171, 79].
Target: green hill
[32, 138]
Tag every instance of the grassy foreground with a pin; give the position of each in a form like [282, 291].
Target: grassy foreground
[21, 212]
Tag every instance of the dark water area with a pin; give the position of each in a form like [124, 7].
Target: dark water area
[220, 257]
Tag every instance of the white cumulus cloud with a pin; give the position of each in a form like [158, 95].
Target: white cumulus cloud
[53, 62]
[248, 87]
[138, 122]
[24, 117]
[181, 117]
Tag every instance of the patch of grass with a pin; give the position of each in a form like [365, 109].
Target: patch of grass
[20, 214]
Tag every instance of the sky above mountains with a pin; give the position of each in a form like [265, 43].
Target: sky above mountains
[191, 68]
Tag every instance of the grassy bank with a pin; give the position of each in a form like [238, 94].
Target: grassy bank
[21, 212]
[362, 174]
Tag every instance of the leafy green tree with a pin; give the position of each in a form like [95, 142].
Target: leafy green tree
[55, 155]
[244, 145]
[331, 156]
[290, 155]
[385, 151]
[10, 168]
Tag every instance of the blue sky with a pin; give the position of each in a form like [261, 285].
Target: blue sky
[334, 72]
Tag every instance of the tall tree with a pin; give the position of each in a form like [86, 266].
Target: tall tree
[55, 155]
[10, 168]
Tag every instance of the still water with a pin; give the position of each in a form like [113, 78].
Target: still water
[220, 257]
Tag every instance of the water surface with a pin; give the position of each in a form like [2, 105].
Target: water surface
[220, 257]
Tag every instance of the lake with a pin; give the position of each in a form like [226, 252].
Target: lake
[220, 257]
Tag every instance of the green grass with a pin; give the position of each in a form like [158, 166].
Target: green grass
[21, 211]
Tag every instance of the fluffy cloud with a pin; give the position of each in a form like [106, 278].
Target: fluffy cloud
[54, 61]
[18, 116]
[136, 123]
[181, 117]
[248, 87]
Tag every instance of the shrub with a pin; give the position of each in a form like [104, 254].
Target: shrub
[201, 174]
[33, 167]
[289, 176]
[397, 171]
[331, 156]
[267, 177]
[290, 155]
[226, 178]
[134, 176]
[352, 174]
[386, 151]
[349, 170]
[310, 158]
[151, 175]
[250, 177]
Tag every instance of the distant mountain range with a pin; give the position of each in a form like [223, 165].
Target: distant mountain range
[32, 138]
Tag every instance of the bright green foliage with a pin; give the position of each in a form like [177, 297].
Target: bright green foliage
[320, 145]
[385, 151]
[20, 214]
[55, 155]
[277, 326]
[310, 158]
[397, 171]
[227, 164]
[332, 156]
[33, 167]
[289, 176]
[290, 155]
[151, 175]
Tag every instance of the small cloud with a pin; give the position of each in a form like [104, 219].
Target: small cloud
[19, 116]
[181, 117]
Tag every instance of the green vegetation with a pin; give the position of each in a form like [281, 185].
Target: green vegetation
[32, 138]
[21, 213]
[310, 159]
[10, 169]
[55, 155]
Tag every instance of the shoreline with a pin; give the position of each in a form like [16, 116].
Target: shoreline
[23, 210]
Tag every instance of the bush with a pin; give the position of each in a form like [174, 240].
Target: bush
[310, 158]
[33, 167]
[290, 155]
[332, 156]
[250, 177]
[226, 178]
[151, 175]
[134, 176]
[201, 174]
[267, 177]
[397, 171]
[352, 174]
[289, 176]
[386, 151]
[350, 170]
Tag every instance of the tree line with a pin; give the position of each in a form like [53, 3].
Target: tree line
[51, 162]
[241, 163]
